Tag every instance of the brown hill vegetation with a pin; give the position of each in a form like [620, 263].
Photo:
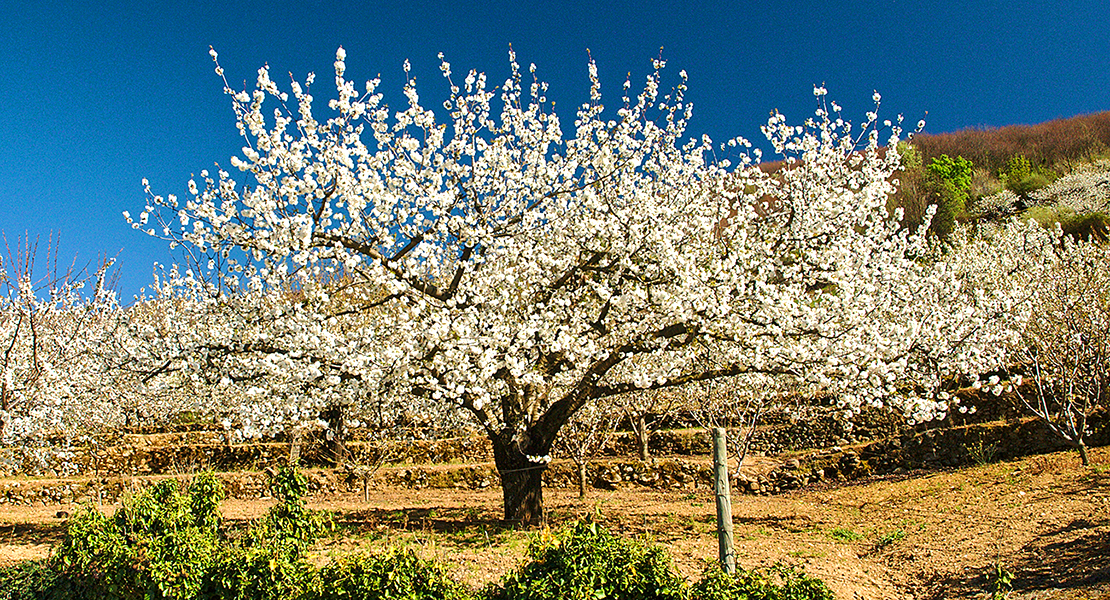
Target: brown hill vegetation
[1057, 144]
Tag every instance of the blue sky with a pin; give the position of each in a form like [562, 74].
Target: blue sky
[97, 96]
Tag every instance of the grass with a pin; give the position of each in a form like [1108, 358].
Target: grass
[889, 538]
[845, 535]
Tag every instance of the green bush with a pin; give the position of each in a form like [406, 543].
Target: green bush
[270, 560]
[1021, 177]
[165, 543]
[956, 171]
[950, 186]
[1016, 169]
[1029, 183]
[586, 562]
[38, 580]
[159, 544]
[394, 575]
[776, 583]
[267, 571]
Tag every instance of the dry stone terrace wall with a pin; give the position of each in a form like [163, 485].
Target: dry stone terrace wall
[935, 448]
[176, 452]
[186, 453]
[820, 447]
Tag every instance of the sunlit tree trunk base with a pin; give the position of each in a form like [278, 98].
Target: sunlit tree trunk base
[643, 438]
[335, 438]
[582, 479]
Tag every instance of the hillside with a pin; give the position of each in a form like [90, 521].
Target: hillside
[1052, 172]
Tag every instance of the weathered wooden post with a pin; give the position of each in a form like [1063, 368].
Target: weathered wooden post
[724, 501]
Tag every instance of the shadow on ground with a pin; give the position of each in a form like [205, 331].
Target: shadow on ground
[1070, 562]
[33, 533]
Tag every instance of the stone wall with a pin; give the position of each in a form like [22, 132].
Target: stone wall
[822, 446]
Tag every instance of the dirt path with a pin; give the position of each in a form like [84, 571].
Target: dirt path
[937, 534]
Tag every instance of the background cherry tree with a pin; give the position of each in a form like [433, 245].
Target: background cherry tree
[59, 360]
[496, 265]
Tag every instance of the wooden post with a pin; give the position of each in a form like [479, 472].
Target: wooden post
[724, 502]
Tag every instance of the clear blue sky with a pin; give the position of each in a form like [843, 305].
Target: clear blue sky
[96, 96]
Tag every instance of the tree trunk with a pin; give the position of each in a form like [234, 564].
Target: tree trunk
[643, 436]
[582, 479]
[521, 483]
[1082, 446]
[295, 448]
[335, 438]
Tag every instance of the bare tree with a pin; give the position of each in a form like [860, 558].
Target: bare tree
[1065, 352]
[584, 436]
[739, 405]
[646, 409]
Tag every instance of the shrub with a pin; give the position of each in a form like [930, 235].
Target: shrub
[1022, 178]
[1088, 226]
[37, 580]
[394, 575]
[159, 544]
[949, 188]
[587, 562]
[269, 561]
[776, 583]
[957, 171]
[1095, 225]
[165, 543]
[1049, 215]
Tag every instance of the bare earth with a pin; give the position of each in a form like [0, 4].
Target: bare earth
[928, 534]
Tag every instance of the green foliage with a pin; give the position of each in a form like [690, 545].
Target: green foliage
[394, 575]
[165, 543]
[1002, 582]
[159, 544]
[1017, 168]
[955, 171]
[889, 538]
[586, 562]
[1021, 178]
[129, 556]
[950, 186]
[776, 583]
[842, 534]
[1049, 215]
[270, 561]
[289, 518]
[37, 580]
